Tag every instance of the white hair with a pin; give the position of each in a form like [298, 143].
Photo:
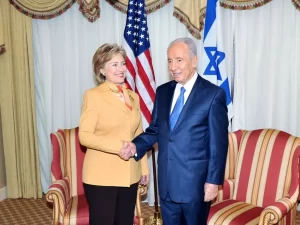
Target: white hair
[189, 42]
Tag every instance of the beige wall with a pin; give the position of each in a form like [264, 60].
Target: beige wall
[2, 166]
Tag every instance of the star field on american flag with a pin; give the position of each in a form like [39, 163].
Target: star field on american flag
[136, 29]
[140, 73]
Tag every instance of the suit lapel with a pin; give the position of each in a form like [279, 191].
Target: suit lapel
[169, 98]
[193, 97]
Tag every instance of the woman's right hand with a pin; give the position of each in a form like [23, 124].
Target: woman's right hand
[145, 180]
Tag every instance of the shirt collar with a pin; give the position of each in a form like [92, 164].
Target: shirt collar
[189, 85]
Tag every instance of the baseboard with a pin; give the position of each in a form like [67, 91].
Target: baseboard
[3, 193]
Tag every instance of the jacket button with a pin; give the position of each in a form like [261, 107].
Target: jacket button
[170, 140]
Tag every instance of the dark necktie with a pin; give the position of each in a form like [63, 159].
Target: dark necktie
[177, 108]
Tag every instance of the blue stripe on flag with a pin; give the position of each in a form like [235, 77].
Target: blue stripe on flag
[214, 58]
[225, 86]
[210, 16]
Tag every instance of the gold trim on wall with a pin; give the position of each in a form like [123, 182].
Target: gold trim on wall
[42, 9]
[90, 9]
[192, 15]
[243, 4]
[151, 5]
[296, 3]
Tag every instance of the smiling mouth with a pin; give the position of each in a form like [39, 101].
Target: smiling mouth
[176, 74]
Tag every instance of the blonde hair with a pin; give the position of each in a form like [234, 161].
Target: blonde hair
[103, 54]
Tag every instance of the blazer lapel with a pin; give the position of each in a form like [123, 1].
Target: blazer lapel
[193, 97]
[111, 98]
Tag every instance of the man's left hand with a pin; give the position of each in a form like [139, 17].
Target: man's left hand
[211, 191]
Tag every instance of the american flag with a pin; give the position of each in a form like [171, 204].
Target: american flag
[140, 74]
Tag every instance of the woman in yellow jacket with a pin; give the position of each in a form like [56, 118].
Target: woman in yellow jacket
[110, 116]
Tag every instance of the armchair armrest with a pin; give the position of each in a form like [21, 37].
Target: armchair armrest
[225, 191]
[274, 213]
[59, 194]
[142, 190]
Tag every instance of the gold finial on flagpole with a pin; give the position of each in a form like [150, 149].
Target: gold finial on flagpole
[156, 218]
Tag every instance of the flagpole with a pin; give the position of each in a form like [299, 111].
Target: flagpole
[156, 218]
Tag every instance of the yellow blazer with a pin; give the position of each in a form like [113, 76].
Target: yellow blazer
[104, 124]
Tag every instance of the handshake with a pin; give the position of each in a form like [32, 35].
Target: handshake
[128, 150]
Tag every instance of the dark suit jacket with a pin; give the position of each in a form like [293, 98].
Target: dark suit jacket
[195, 151]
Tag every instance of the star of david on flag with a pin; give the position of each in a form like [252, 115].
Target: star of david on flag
[214, 58]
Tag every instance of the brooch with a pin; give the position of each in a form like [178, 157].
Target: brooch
[131, 98]
[115, 91]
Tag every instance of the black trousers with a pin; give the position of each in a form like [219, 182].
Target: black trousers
[111, 205]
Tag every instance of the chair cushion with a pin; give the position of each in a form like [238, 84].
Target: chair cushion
[136, 220]
[58, 148]
[234, 139]
[74, 160]
[78, 211]
[234, 212]
[263, 169]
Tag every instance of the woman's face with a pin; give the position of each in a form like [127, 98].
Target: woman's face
[115, 69]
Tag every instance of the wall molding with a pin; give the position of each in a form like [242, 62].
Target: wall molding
[3, 193]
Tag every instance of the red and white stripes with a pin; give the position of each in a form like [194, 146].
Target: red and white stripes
[140, 78]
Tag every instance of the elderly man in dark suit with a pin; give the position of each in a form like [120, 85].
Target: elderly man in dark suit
[190, 124]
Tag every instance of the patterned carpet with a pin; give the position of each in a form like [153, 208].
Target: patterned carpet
[25, 211]
[37, 212]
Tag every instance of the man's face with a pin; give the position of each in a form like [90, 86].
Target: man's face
[181, 66]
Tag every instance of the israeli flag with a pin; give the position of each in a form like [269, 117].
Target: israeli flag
[214, 66]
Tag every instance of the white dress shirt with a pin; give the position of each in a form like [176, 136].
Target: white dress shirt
[188, 88]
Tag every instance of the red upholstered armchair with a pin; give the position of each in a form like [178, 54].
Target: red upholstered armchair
[66, 192]
[261, 180]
